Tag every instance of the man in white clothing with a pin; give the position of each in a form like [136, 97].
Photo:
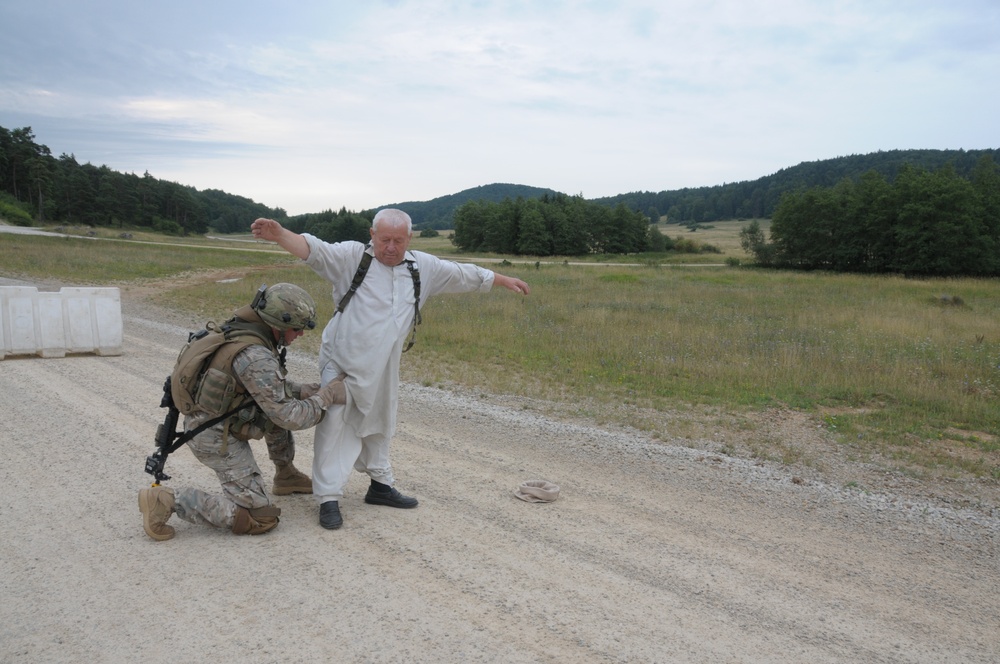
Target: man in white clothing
[365, 341]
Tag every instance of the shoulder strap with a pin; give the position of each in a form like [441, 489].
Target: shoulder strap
[359, 276]
[223, 358]
[415, 274]
[242, 325]
[247, 322]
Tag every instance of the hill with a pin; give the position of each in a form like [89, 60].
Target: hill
[751, 199]
[36, 187]
[437, 213]
[757, 199]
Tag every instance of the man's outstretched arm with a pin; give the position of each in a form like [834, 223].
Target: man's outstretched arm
[272, 231]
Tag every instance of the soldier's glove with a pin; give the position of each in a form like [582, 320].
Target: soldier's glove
[333, 392]
[307, 390]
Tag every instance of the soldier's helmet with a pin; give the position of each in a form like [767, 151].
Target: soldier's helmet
[286, 306]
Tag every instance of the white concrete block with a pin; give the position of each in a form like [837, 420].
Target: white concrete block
[53, 323]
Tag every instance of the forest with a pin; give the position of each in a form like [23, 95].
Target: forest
[37, 188]
[922, 223]
[757, 199]
[556, 225]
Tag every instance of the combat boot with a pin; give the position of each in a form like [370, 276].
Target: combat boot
[156, 505]
[288, 479]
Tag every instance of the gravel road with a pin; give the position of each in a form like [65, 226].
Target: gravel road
[656, 551]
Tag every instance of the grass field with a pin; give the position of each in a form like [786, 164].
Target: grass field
[905, 371]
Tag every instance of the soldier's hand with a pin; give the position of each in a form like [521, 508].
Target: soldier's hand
[306, 390]
[333, 392]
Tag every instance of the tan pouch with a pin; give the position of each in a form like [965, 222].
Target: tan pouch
[216, 392]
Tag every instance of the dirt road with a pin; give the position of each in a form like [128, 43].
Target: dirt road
[654, 552]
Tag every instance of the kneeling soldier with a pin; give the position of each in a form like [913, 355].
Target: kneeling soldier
[275, 407]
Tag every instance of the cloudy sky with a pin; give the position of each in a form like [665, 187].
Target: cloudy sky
[316, 104]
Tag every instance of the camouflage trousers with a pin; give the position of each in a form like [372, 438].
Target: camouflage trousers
[237, 470]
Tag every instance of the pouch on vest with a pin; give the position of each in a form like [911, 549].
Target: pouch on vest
[199, 349]
[216, 391]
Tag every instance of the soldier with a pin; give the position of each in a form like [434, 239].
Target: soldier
[275, 407]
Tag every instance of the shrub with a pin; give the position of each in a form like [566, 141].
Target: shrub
[167, 227]
[13, 211]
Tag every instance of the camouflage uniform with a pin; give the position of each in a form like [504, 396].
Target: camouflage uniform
[251, 374]
[276, 412]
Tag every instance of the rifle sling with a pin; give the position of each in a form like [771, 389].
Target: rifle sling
[184, 437]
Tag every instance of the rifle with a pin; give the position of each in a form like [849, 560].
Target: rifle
[165, 435]
[169, 440]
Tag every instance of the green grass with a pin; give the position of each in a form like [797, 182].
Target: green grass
[905, 371]
[93, 261]
[740, 337]
[724, 235]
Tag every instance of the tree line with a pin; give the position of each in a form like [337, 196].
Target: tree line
[556, 225]
[36, 187]
[553, 225]
[926, 223]
[333, 226]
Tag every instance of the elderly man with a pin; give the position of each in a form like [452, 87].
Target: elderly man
[365, 341]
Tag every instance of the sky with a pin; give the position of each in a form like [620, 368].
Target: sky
[310, 105]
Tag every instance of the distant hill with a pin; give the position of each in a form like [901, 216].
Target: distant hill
[757, 199]
[36, 187]
[437, 213]
[752, 199]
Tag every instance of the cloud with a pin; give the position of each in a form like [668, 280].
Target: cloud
[370, 103]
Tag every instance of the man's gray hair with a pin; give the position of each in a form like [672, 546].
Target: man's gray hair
[393, 218]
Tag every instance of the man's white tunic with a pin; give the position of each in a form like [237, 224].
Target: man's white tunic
[366, 340]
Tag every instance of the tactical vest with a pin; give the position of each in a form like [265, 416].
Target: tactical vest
[203, 380]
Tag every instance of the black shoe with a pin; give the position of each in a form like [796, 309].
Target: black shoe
[329, 515]
[392, 498]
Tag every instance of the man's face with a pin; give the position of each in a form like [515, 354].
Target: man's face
[287, 336]
[390, 243]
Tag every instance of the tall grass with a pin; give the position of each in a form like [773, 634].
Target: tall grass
[890, 362]
[740, 336]
[904, 369]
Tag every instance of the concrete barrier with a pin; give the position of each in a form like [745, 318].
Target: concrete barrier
[54, 323]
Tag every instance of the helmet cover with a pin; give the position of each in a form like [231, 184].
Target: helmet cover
[287, 307]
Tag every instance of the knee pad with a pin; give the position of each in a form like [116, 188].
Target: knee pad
[255, 521]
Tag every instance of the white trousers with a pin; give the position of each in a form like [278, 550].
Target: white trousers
[337, 449]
